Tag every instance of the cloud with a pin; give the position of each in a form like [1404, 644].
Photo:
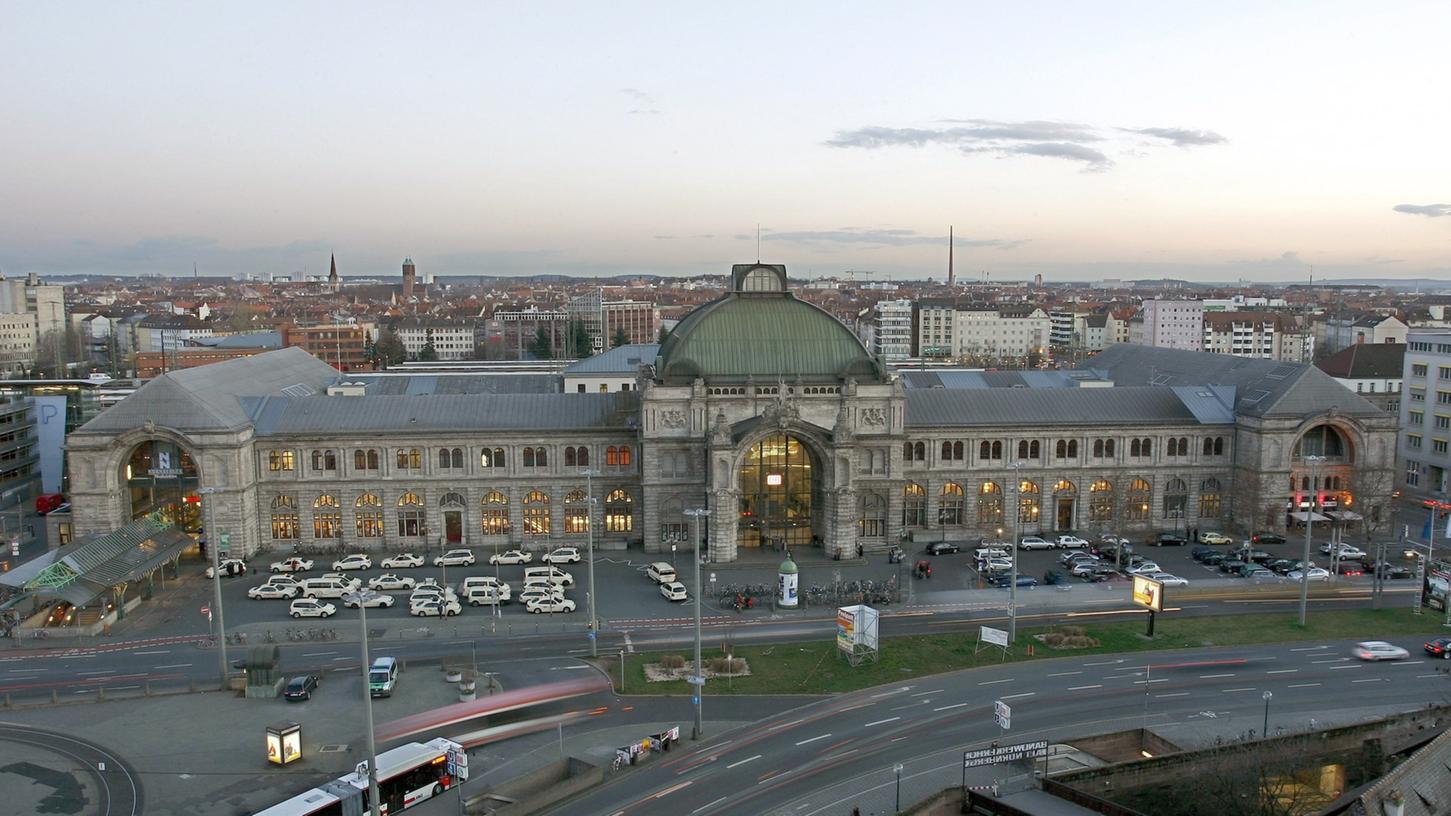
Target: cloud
[644, 104]
[882, 237]
[1034, 137]
[1428, 210]
[168, 255]
[1180, 137]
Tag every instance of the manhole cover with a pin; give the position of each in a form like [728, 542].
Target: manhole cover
[335, 748]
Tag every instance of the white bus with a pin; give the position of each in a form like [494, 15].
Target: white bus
[407, 775]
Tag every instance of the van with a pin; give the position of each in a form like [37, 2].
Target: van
[382, 676]
[328, 587]
[554, 575]
[474, 583]
[661, 572]
[485, 594]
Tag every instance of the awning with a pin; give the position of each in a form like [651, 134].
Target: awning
[1314, 517]
[1345, 515]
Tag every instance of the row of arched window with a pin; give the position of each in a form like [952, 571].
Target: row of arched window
[952, 507]
[452, 459]
[1031, 449]
[411, 521]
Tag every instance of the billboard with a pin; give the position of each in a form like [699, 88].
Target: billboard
[1148, 593]
[1435, 584]
[997, 637]
[50, 441]
[856, 631]
[1004, 753]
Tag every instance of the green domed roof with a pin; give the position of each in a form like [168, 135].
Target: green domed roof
[764, 333]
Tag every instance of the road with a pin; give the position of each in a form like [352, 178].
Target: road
[76, 773]
[831, 755]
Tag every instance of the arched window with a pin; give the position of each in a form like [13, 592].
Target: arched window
[872, 521]
[1029, 502]
[1210, 501]
[1073, 449]
[1208, 446]
[372, 460]
[443, 460]
[1108, 448]
[1134, 447]
[1063, 487]
[949, 511]
[946, 451]
[1183, 446]
[627, 456]
[528, 457]
[984, 450]
[1323, 440]
[410, 459]
[536, 513]
[1034, 450]
[317, 460]
[410, 516]
[1176, 498]
[457, 455]
[907, 451]
[1098, 448]
[360, 460]
[1100, 501]
[368, 516]
[618, 457]
[491, 458]
[919, 451]
[1136, 508]
[957, 451]
[1218, 446]
[1060, 451]
[990, 505]
[451, 499]
[997, 450]
[329, 460]
[1146, 447]
[285, 525]
[581, 456]
[914, 505]
[1022, 449]
[569, 457]
[494, 512]
[327, 522]
[576, 513]
[619, 511]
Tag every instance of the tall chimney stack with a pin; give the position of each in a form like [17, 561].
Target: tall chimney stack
[949, 255]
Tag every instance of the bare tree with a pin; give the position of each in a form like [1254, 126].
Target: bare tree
[1275, 778]
[1370, 498]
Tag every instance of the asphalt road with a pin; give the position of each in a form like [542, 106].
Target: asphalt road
[89, 771]
[829, 756]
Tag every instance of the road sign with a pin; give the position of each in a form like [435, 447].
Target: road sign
[591, 635]
[206, 610]
[1004, 753]
[1004, 714]
[225, 544]
[712, 577]
[695, 680]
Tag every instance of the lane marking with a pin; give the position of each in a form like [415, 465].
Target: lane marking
[925, 693]
[709, 806]
[687, 783]
[995, 682]
[881, 722]
[1427, 675]
[1081, 688]
[744, 761]
[1302, 685]
[890, 693]
[947, 707]
[1246, 688]
[1408, 662]
[175, 666]
[1121, 676]
[318, 654]
[1175, 694]
[813, 739]
[1015, 696]
[1308, 648]
[1336, 660]
[1282, 671]
[153, 652]
[1064, 674]
[97, 671]
[1213, 676]
[1352, 666]
[1105, 663]
[1147, 682]
[1371, 680]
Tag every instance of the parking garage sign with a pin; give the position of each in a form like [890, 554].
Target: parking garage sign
[998, 754]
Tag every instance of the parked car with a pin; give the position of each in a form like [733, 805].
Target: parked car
[1214, 559]
[550, 605]
[1034, 543]
[311, 608]
[1070, 542]
[430, 583]
[47, 503]
[286, 580]
[1054, 578]
[1145, 568]
[982, 553]
[1169, 540]
[660, 572]
[1255, 556]
[674, 591]
[562, 555]
[1281, 566]
[1349, 568]
[1267, 537]
[997, 565]
[534, 592]
[1023, 581]
[1101, 573]
[1111, 553]
[388, 581]
[1379, 650]
[1213, 537]
[511, 557]
[370, 600]
[1230, 565]
[1315, 574]
[1346, 550]
[1393, 572]
[1113, 539]
[406, 560]
[1073, 557]
[429, 594]
[1169, 580]
[942, 548]
[229, 568]
[293, 564]
[435, 608]
[1255, 573]
[454, 558]
[1250, 569]
[356, 561]
[301, 687]
[1439, 647]
[271, 591]
[1196, 552]
[556, 575]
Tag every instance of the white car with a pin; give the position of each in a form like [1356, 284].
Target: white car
[356, 561]
[1068, 559]
[311, 608]
[1346, 551]
[1169, 580]
[454, 558]
[431, 584]
[1379, 650]
[562, 555]
[1034, 543]
[551, 605]
[374, 599]
[1113, 539]
[388, 581]
[283, 580]
[293, 564]
[990, 552]
[230, 566]
[1316, 574]
[406, 560]
[1071, 542]
[536, 592]
[422, 595]
[998, 565]
[673, 591]
[271, 591]
[436, 609]
[510, 557]
[1145, 568]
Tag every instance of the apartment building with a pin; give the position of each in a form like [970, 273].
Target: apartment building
[1424, 448]
[986, 333]
[451, 340]
[1335, 332]
[344, 347]
[1372, 370]
[892, 330]
[1177, 324]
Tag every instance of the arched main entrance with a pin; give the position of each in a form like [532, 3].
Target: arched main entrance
[160, 476]
[780, 494]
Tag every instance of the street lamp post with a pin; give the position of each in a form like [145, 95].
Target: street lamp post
[700, 514]
[1017, 468]
[362, 596]
[589, 528]
[672, 558]
[897, 769]
[1314, 462]
[1266, 730]
[214, 544]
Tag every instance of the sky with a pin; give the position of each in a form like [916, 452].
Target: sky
[1217, 142]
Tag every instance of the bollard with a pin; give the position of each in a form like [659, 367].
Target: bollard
[100, 694]
[192, 685]
[54, 696]
[146, 689]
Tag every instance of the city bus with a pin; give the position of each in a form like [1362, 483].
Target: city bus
[407, 775]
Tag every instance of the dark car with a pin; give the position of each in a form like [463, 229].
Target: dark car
[942, 547]
[301, 688]
[1111, 553]
[1023, 581]
[1054, 577]
[1266, 537]
[1170, 540]
[1392, 572]
[1439, 647]
[1350, 568]
[1231, 565]
[1282, 565]
[1214, 559]
[1257, 556]
[1200, 551]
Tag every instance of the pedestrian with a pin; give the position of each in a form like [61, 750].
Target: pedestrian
[856, 811]
[860, 550]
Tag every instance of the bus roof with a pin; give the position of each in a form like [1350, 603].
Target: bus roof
[397, 760]
[302, 804]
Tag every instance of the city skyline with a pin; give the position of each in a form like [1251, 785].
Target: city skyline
[1238, 142]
